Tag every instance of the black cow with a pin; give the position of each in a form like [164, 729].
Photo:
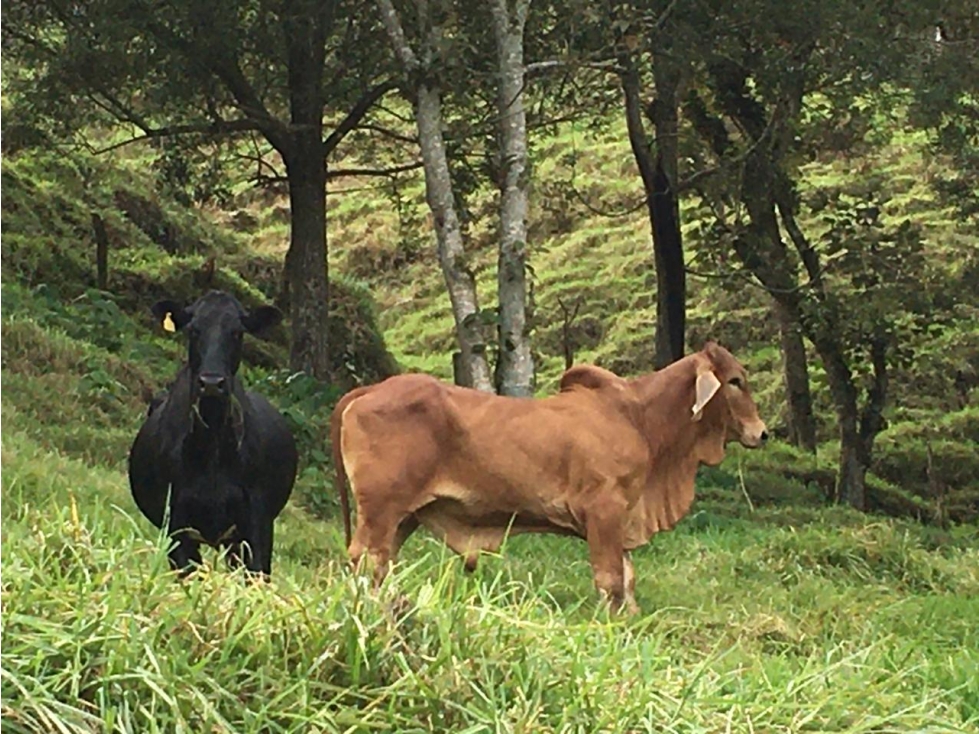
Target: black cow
[226, 456]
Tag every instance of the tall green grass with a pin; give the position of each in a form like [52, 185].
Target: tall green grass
[835, 623]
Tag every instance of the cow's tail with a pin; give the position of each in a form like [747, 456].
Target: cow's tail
[340, 472]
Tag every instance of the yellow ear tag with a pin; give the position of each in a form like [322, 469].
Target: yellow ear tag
[168, 324]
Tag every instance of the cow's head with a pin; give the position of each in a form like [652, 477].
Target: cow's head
[215, 325]
[722, 396]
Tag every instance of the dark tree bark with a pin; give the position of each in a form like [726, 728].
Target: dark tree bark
[763, 252]
[658, 174]
[765, 193]
[671, 274]
[306, 264]
[801, 422]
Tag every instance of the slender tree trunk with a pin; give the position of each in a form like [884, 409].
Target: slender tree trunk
[802, 426]
[452, 256]
[663, 208]
[764, 191]
[438, 192]
[767, 257]
[851, 474]
[515, 369]
[306, 263]
[851, 478]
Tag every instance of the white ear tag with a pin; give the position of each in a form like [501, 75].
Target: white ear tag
[707, 386]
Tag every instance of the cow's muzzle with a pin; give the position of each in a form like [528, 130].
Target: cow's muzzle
[210, 385]
[754, 435]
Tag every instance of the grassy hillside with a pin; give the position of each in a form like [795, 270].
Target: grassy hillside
[592, 242]
[764, 611]
[780, 621]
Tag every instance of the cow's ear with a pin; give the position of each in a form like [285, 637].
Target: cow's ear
[170, 315]
[707, 386]
[261, 318]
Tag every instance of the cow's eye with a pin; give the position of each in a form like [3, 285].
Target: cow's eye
[737, 382]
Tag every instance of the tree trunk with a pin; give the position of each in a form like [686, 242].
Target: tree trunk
[460, 371]
[306, 264]
[802, 426]
[851, 478]
[438, 190]
[767, 257]
[515, 369]
[671, 275]
[663, 208]
[764, 191]
[852, 471]
[452, 256]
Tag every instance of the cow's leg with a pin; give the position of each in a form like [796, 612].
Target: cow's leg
[257, 544]
[603, 528]
[629, 583]
[377, 537]
[185, 554]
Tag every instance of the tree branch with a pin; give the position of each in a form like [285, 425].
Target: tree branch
[218, 127]
[388, 133]
[696, 177]
[810, 258]
[230, 74]
[538, 68]
[355, 115]
[872, 415]
[392, 23]
[394, 170]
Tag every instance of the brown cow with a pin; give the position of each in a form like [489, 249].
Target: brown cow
[607, 459]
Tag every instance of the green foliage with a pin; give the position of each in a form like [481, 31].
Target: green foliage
[307, 404]
[359, 351]
[937, 455]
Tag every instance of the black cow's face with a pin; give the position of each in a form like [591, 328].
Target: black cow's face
[215, 325]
